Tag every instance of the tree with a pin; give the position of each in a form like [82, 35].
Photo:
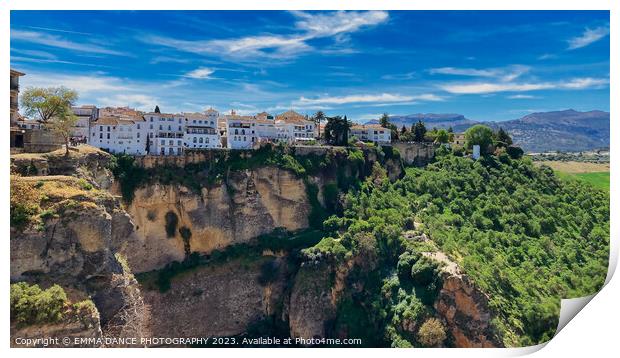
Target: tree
[318, 118]
[502, 139]
[431, 333]
[63, 125]
[47, 103]
[419, 131]
[384, 121]
[157, 109]
[148, 145]
[442, 136]
[479, 135]
[337, 130]
[403, 130]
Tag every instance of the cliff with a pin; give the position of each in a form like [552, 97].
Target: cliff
[248, 204]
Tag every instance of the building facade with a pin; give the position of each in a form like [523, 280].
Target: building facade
[14, 104]
[201, 130]
[371, 133]
[86, 115]
[240, 131]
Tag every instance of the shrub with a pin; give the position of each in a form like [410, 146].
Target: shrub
[423, 271]
[31, 305]
[432, 333]
[514, 152]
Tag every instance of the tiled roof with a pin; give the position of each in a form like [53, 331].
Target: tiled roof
[108, 121]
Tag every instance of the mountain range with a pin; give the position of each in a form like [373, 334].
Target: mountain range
[566, 131]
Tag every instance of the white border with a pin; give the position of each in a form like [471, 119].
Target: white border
[593, 332]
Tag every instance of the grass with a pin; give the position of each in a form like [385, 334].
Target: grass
[598, 180]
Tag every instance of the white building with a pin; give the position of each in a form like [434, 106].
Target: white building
[165, 132]
[371, 133]
[86, 115]
[119, 135]
[240, 131]
[201, 130]
[298, 128]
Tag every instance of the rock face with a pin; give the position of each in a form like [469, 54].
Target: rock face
[464, 307]
[75, 326]
[248, 204]
[415, 153]
[311, 304]
[84, 162]
[219, 300]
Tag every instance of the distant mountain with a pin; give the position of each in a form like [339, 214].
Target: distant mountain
[567, 130]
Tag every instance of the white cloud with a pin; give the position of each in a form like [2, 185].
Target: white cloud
[487, 87]
[589, 36]
[521, 96]
[201, 73]
[334, 23]
[369, 98]
[399, 76]
[279, 46]
[45, 39]
[506, 74]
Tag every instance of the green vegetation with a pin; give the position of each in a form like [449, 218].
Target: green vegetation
[597, 179]
[525, 237]
[30, 305]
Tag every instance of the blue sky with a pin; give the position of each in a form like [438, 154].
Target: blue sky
[486, 65]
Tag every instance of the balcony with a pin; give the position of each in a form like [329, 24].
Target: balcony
[14, 87]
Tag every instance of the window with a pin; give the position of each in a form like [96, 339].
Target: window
[100, 135]
[194, 140]
[171, 142]
[180, 129]
[236, 131]
[108, 128]
[151, 126]
[108, 135]
[179, 143]
[151, 120]
[100, 129]
[200, 140]
[169, 128]
[161, 127]
[138, 135]
[243, 131]
[138, 125]
[163, 142]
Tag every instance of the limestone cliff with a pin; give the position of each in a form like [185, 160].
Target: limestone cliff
[219, 300]
[464, 307]
[248, 204]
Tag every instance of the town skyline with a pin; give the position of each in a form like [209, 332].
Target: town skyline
[485, 65]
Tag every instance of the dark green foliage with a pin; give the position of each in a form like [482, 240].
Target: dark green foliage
[419, 131]
[337, 130]
[501, 138]
[479, 135]
[172, 220]
[514, 152]
[128, 174]
[31, 305]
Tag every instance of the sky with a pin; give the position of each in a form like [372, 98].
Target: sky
[486, 65]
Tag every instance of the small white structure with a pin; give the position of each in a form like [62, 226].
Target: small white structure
[119, 135]
[297, 127]
[86, 115]
[371, 133]
[476, 152]
[165, 132]
[240, 131]
[201, 130]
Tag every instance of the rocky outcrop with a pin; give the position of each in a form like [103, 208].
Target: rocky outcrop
[218, 300]
[84, 162]
[76, 329]
[415, 153]
[464, 307]
[248, 204]
[312, 303]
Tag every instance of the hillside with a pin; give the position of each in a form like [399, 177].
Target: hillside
[567, 130]
[291, 242]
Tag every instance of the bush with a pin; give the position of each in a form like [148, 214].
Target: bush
[31, 305]
[514, 152]
[432, 333]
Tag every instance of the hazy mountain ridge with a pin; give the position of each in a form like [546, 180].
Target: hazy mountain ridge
[566, 130]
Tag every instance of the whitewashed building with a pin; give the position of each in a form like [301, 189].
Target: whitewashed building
[298, 128]
[165, 132]
[86, 115]
[119, 135]
[371, 133]
[201, 130]
[240, 131]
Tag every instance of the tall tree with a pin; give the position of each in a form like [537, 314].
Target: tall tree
[442, 136]
[479, 135]
[419, 131]
[384, 121]
[63, 125]
[318, 118]
[47, 103]
[337, 130]
[147, 149]
[157, 109]
[502, 138]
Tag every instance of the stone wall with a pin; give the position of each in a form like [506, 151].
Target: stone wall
[418, 154]
[41, 141]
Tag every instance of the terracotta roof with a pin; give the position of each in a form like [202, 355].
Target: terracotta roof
[108, 121]
[368, 126]
[17, 73]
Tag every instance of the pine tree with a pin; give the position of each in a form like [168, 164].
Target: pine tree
[157, 109]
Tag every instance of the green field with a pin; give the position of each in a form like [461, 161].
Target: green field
[597, 179]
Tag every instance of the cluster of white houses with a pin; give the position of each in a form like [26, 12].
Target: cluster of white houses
[125, 130]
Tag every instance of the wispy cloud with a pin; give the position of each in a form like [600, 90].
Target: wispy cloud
[58, 30]
[399, 76]
[201, 73]
[487, 87]
[45, 39]
[521, 96]
[503, 74]
[588, 37]
[369, 98]
[255, 48]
